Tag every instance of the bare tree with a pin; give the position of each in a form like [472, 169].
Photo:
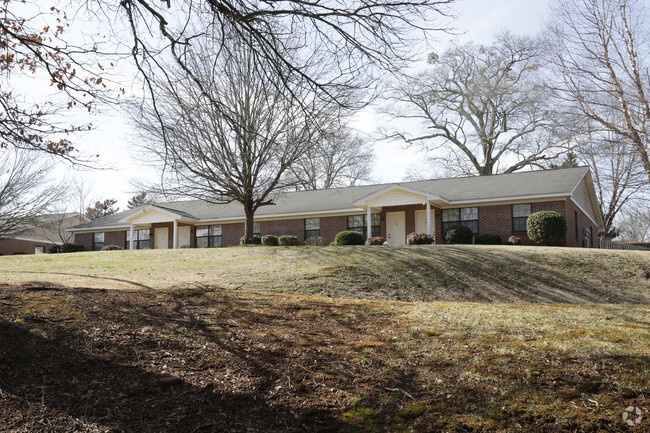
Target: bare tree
[341, 45]
[25, 190]
[600, 51]
[634, 223]
[484, 105]
[237, 150]
[618, 176]
[337, 159]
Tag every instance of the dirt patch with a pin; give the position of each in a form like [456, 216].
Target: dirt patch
[207, 360]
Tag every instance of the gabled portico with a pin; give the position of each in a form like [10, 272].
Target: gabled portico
[148, 216]
[398, 195]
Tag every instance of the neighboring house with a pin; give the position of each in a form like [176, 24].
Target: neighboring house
[498, 204]
[38, 233]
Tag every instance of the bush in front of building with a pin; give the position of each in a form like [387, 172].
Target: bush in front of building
[419, 239]
[72, 247]
[270, 240]
[546, 226]
[318, 241]
[54, 249]
[112, 248]
[376, 240]
[288, 241]
[257, 240]
[349, 237]
[488, 239]
[458, 235]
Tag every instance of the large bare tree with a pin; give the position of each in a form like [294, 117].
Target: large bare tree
[26, 190]
[618, 175]
[338, 158]
[232, 139]
[599, 49]
[482, 104]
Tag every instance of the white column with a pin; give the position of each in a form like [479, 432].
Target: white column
[131, 233]
[428, 218]
[369, 222]
[175, 245]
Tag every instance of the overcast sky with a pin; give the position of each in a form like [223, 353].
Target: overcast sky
[478, 21]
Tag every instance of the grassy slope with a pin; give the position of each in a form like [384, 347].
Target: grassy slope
[425, 273]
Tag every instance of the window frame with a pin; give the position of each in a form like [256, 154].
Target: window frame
[460, 221]
[517, 219]
[375, 221]
[312, 232]
[97, 246]
[139, 241]
[213, 240]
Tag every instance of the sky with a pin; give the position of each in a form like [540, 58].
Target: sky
[478, 21]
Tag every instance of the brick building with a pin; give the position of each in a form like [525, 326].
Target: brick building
[497, 204]
[37, 234]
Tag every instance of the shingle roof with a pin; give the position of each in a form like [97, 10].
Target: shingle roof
[463, 189]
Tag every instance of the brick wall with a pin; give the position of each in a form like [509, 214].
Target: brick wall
[10, 246]
[115, 238]
[85, 239]
[575, 227]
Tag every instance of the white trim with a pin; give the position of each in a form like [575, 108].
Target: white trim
[559, 196]
[175, 235]
[584, 212]
[32, 240]
[427, 196]
[592, 196]
[134, 215]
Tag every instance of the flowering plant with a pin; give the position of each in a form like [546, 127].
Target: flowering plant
[514, 240]
[377, 240]
[419, 239]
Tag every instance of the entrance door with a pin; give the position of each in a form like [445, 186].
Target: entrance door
[184, 237]
[396, 228]
[421, 221]
[162, 238]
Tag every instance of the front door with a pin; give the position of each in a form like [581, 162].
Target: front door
[396, 228]
[162, 238]
[184, 237]
[421, 221]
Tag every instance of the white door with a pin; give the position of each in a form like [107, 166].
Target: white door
[396, 228]
[162, 239]
[184, 237]
[421, 221]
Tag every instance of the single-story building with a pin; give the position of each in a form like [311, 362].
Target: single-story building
[497, 204]
[36, 234]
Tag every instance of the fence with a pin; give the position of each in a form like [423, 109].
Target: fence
[609, 244]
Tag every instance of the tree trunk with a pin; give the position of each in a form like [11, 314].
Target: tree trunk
[248, 225]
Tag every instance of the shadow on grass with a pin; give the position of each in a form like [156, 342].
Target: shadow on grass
[108, 279]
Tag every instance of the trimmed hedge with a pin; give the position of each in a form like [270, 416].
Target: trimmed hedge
[488, 239]
[112, 248]
[54, 249]
[458, 235]
[419, 239]
[288, 241]
[376, 240]
[71, 247]
[546, 226]
[349, 237]
[270, 240]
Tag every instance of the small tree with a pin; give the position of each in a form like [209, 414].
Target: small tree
[101, 209]
[138, 200]
[546, 227]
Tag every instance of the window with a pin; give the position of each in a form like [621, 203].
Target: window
[256, 229]
[520, 214]
[39, 250]
[208, 236]
[357, 223]
[464, 216]
[312, 228]
[140, 239]
[98, 241]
